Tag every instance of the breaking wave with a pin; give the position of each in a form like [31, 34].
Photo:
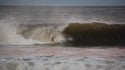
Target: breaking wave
[96, 33]
[11, 33]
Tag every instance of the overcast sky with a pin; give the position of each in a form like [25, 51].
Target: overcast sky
[63, 2]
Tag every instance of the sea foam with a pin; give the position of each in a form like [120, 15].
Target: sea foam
[12, 34]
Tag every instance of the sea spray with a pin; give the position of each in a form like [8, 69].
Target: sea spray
[12, 33]
[9, 36]
[45, 33]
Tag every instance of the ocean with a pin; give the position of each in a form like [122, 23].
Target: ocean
[45, 37]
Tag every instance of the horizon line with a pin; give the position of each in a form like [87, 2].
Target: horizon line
[70, 5]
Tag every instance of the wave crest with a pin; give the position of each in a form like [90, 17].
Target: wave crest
[12, 33]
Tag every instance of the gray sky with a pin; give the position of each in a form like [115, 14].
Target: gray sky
[63, 2]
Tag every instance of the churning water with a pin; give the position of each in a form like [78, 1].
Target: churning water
[62, 64]
[15, 34]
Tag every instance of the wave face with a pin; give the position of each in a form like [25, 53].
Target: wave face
[96, 34]
[11, 33]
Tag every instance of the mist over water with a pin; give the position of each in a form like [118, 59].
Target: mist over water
[9, 36]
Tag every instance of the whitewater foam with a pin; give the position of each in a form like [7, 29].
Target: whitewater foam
[46, 34]
[9, 34]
